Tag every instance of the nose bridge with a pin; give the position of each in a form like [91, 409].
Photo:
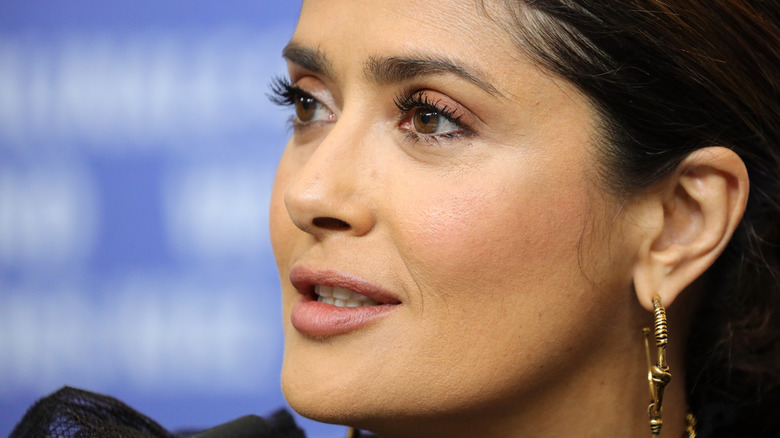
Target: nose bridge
[328, 192]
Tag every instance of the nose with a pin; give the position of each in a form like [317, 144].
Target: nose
[329, 192]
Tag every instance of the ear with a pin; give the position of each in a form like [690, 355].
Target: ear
[688, 223]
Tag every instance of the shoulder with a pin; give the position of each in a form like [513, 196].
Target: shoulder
[72, 412]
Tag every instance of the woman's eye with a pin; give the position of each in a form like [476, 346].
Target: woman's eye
[430, 122]
[427, 117]
[309, 109]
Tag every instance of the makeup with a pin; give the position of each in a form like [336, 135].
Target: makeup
[334, 303]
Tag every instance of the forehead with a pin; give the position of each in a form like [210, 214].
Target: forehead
[441, 13]
[365, 28]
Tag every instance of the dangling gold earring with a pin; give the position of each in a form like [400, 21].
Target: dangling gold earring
[657, 374]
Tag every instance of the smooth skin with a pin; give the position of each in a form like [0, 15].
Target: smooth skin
[523, 285]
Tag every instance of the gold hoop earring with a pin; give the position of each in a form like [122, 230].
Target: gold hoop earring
[658, 374]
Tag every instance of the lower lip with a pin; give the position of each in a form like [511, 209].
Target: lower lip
[320, 320]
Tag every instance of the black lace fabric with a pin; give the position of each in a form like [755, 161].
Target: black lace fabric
[75, 413]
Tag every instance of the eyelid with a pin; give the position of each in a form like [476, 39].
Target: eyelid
[315, 88]
[313, 82]
[287, 93]
[410, 100]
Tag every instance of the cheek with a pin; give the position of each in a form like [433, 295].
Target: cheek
[277, 216]
[279, 222]
[499, 264]
[494, 235]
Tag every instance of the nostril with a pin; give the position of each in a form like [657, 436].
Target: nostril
[330, 223]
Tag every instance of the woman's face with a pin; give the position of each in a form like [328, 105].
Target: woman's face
[437, 172]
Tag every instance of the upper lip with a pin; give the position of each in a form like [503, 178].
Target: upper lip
[304, 279]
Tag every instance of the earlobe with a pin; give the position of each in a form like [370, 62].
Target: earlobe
[690, 222]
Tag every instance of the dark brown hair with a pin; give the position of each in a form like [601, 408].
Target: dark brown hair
[669, 77]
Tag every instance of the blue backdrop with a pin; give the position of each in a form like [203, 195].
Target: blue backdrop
[137, 150]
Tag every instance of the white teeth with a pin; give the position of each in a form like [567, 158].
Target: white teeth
[323, 291]
[341, 293]
[342, 297]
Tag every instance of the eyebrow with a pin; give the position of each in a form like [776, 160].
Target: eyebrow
[308, 58]
[397, 69]
[389, 69]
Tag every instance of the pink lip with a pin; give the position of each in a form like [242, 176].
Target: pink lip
[316, 319]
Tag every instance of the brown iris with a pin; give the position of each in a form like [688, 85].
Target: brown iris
[426, 121]
[305, 107]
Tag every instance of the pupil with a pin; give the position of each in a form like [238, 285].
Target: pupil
[426, 122]
[305, 108]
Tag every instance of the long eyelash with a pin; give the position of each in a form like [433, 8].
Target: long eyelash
[409, 101]
[284, 93]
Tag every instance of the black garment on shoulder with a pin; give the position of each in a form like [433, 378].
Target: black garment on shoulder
[75, 413]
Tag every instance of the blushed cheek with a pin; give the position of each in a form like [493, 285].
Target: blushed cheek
[501, 239]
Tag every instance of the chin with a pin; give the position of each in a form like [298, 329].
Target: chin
[327, 402]
[312, 384]
[333, 387]
[340, 379]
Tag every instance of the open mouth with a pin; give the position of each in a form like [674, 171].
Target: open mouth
[334, 303]
[342, 297]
